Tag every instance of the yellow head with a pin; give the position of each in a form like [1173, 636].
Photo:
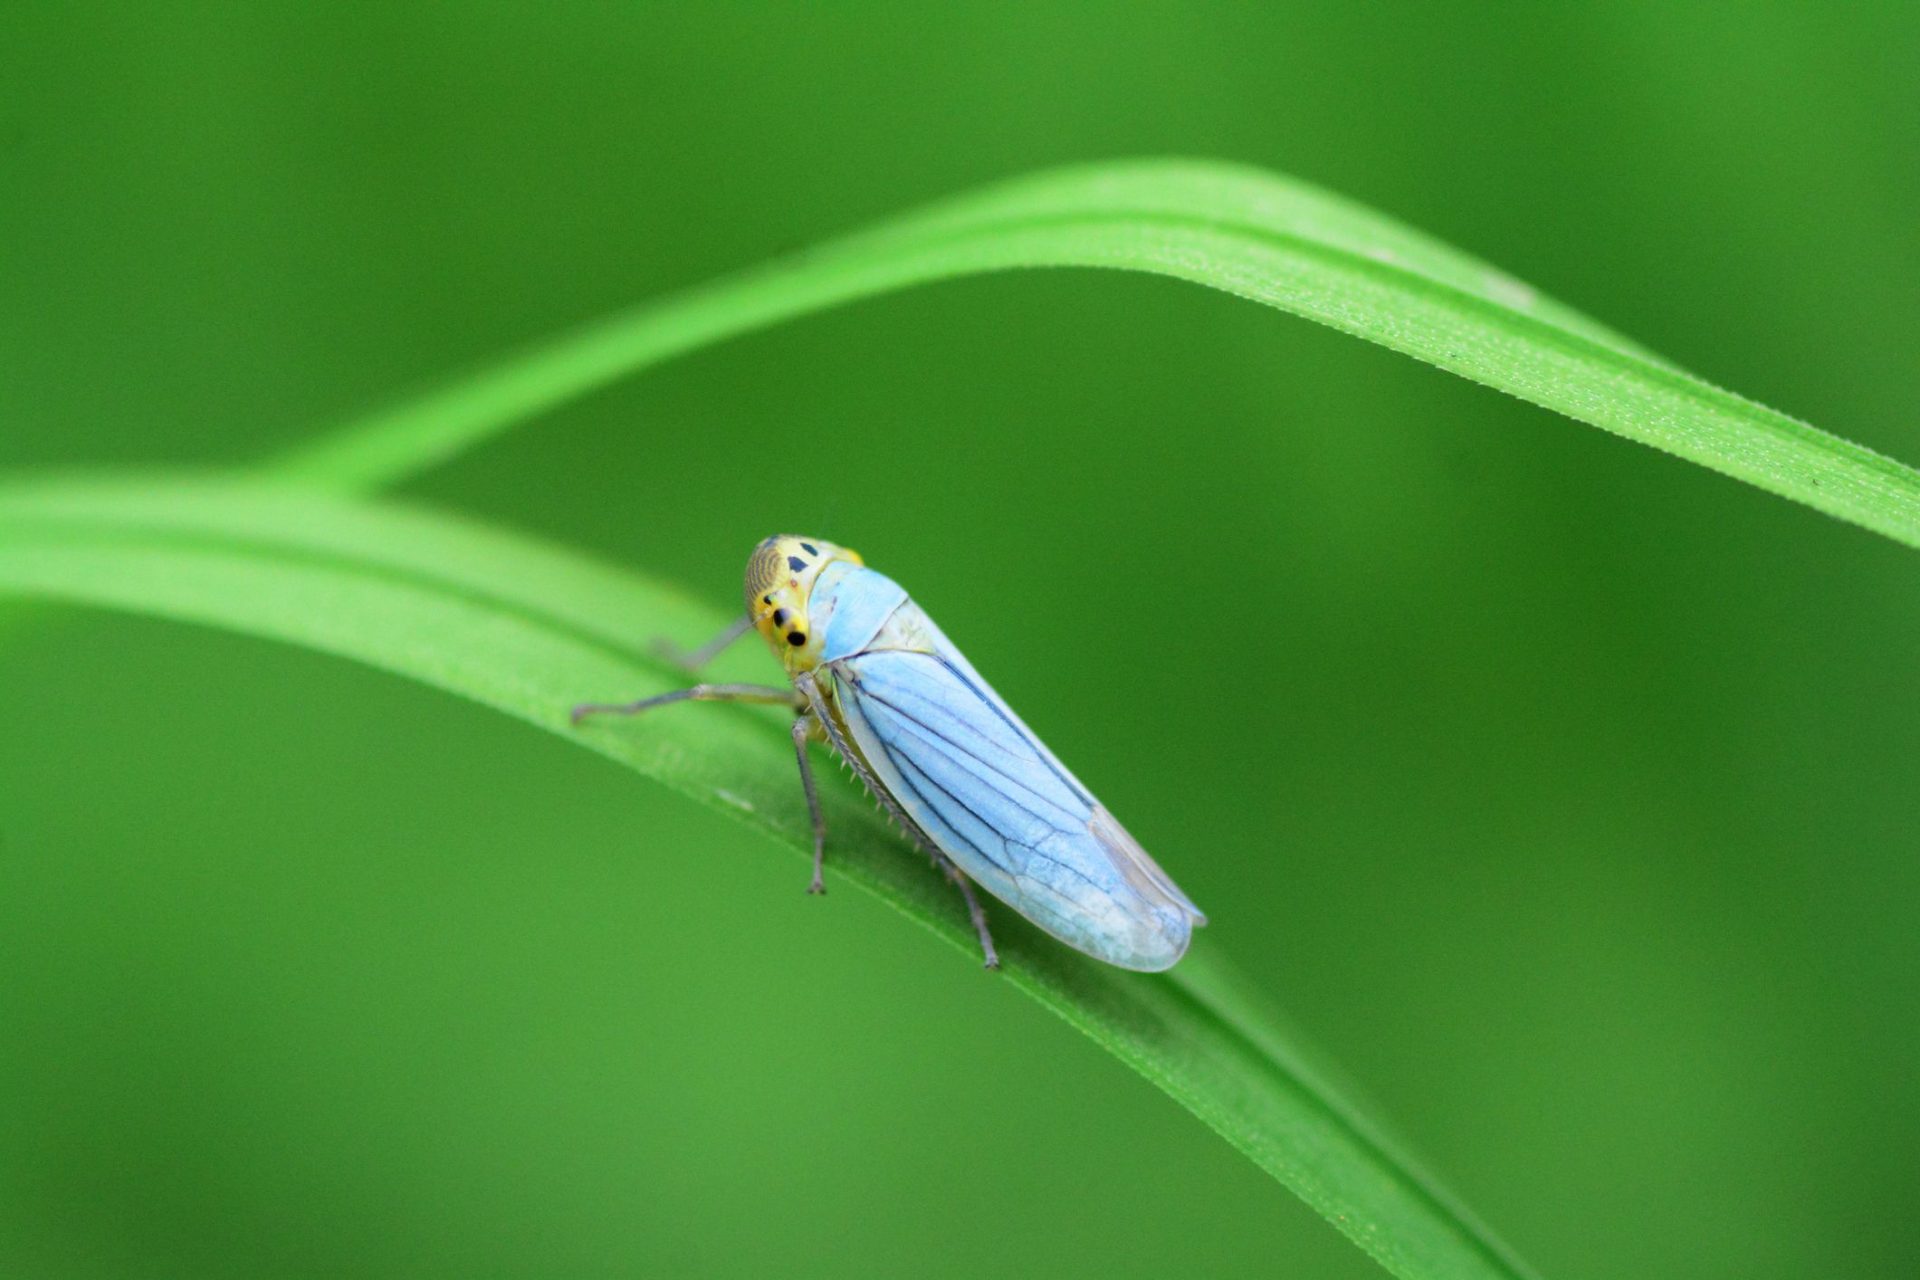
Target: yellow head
[780, 575]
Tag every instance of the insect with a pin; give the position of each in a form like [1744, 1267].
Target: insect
[968, 782]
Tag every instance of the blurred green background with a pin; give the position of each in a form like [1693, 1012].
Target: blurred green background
[1563, 792]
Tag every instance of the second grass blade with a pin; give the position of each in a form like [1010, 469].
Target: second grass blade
[1258, 235]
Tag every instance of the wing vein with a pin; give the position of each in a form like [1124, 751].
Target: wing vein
[904, 763]
[934, 737]
[1020, 733]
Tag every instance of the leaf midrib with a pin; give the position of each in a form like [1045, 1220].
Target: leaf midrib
[1337, 255]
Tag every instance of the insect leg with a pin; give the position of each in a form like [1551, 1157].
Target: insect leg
[804, 728]
[699, 693]
[694, 659]
[978, 916]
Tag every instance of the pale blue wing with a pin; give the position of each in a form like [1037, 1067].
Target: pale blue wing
[977, 782]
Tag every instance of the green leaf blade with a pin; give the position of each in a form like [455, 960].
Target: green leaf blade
[529, 630]
[1260, 236]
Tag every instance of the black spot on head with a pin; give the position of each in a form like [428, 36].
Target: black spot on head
[796, 564]
[780, 617]
[796, 638]
[810, 549]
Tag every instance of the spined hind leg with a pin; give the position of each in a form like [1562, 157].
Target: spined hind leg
[974, 910]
